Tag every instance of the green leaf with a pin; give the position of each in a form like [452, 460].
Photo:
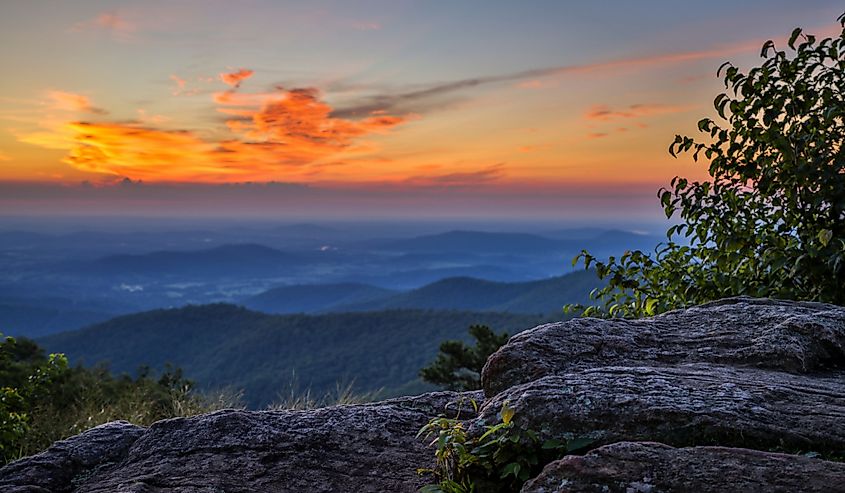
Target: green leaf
[511, 469]
[430, 488]
[825, 236]
[768, 45]
[795, 33]
[578, 444]
[553, 443]
[507, 413]
[650, 305]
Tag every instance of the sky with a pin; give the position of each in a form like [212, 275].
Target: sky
[380, 109]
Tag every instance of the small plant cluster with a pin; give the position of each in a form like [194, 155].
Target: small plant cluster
[500, 460]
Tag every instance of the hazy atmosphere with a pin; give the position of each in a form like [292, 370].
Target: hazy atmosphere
[552, 110]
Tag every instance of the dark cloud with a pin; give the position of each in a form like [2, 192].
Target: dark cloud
[433, 97]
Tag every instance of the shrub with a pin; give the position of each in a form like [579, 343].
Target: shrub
[770, 222]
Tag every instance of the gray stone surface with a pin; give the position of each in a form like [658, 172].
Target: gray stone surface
[779, 335]
[359, 448]
[655, 468]
[695, 404]
[66, 463]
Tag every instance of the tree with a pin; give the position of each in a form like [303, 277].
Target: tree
[458, 366]
[771, 220]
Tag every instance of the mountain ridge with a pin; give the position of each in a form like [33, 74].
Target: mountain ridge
[451, 293]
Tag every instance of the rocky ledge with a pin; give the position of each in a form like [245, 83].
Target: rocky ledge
[742, 373]
[643, 467]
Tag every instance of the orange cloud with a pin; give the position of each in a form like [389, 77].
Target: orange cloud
[68, 101]
[234, 79]
[605, 113]
[180, 84]
[230, 98]
[155, 155]
[4, 157]
[298, 118]
[114, 22]
[289, 134]
[534, 84]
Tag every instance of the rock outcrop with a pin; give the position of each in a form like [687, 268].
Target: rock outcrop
[777, 335]
[744, 373]
[360, 448]
[696, 404]
[627, 467]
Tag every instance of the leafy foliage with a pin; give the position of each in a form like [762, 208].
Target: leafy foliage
[771, 220]
[500, 460]
[458, 365]
[44, 400]
[22, 387]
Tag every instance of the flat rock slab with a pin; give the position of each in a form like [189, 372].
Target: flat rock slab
[656, 468]
[695, 404]
[798, 337]
[361, 448]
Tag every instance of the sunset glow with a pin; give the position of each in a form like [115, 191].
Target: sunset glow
[429, 99]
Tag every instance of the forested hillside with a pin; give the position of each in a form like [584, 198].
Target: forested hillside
[223, 345]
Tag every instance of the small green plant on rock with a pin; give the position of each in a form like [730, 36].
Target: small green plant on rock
[500, 460]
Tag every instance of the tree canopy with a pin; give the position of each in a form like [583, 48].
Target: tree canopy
[770, 221]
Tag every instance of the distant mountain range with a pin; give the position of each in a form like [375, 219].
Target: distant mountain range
[315, 298]
[453, 249]
[226, 260]
[458, 293]
[316, 269]
[223, 345]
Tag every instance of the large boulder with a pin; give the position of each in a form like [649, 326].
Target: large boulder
[796, 337]
[360, 448]
[693, 404]
[654, 468]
